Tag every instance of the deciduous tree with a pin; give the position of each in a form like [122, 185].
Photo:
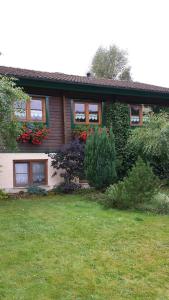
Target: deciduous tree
[9, 126]
[111, 63]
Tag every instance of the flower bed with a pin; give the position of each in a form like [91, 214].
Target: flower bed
[81, 132]
[33, 133]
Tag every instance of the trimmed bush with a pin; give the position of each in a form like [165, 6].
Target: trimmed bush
[100, 159]
[36, 190]
[159, 204]
[3, 195]
[66, 188]
[139, 187]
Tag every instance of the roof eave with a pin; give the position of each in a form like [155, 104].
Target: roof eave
[77, 87]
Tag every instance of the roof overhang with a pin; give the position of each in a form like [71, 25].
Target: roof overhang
[86, 88]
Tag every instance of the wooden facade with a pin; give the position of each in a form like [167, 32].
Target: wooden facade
[59, 115]
[60, 90]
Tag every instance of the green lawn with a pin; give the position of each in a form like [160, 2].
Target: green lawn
[65, 247]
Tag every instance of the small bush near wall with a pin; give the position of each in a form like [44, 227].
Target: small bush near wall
[3, 195]
[36, 190]
[100, 159]
[66, 188]
[139, 187]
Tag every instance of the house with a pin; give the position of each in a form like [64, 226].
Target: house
[62, 101]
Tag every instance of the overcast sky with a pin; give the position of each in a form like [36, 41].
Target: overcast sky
[63, 35]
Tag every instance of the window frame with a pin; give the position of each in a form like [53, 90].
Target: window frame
[140, 115]
[86, 105]
[28, 110]
[30, 173]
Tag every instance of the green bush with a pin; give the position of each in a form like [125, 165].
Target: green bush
[139, 187]
[66, 188]
[100, 159]
[151, 142]
[3, 195]
[36, 190]
[160, 204]
[117, 116]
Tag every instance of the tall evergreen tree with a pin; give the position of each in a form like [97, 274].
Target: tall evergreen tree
[117, 116]
[100, 159]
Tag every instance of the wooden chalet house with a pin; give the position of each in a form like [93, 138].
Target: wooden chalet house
[61, 102]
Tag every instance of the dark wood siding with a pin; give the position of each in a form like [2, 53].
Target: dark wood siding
[67, 120]
[59, 119]
[56, 128]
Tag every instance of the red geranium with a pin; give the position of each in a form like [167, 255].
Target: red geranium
[83, 136]
[35, 135]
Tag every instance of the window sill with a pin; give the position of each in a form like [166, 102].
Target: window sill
[26, 187]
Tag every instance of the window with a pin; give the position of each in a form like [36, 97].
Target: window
[30, 172]
[20, 110]
[136, 115]
[87, 113]
[33, 110]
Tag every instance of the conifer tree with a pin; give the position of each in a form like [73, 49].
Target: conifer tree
[137, 188]
[100, 159]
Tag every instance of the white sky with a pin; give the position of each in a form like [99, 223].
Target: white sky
[63, 35]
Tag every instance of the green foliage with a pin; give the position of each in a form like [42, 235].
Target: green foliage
[84, 127]
[70, 159]
[66, 188]
[139, 187]
[9, 129]
[158, 205]
[161, 204]
[3, 195]
[100, 159]
[111, 63]
[117, 116]
[36, 190]
[151, 142]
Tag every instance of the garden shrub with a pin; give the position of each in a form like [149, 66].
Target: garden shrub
[100, 159]
[36, 190]
[151, 142]
[70, 159]
[3, 195]
[138, 187]
[66, 188]
[117, 116]
[160, 204]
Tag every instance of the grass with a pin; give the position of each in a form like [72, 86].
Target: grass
[65, 247]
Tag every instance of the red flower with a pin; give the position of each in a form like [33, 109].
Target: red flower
[34, 136]
[83, 136]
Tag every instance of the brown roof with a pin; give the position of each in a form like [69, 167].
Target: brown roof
[74, 79]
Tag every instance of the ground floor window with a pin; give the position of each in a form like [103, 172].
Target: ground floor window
[30, 172]
[87, 112]
[33, 110]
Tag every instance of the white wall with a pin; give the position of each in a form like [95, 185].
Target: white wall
[6, 170]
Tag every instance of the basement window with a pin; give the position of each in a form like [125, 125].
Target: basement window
[32, 172]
